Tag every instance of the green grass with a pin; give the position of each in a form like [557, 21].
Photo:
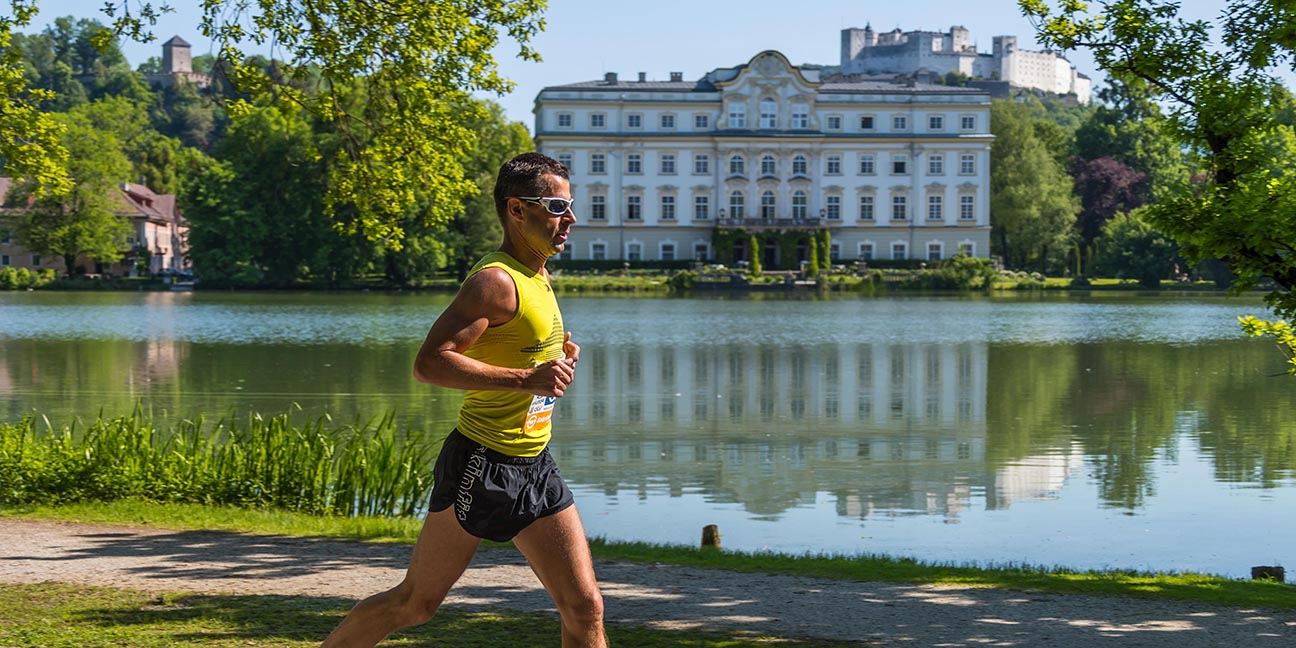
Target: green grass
[1187, 587]
[72, 616]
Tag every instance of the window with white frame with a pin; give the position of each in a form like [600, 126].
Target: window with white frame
[899, 250]
[935, 164]
[935, 208]
[598, 251]
[799, 205]
[701, 207]
[737, 166]
[768, 113]
[566, 254]
[701, 251]
[832, 165]
[767, 165]
[737, 114]
[967, 207]
[667, 251]
[634, 163]
[767, 204]
[834, 251]
[800, 116]
[598, 163]
[4, 260]
[634, 251]
[668, 207]
[899, 122]
[867, 122]
[36, 260]
[799, 165]
[634, 208]
[866, 207]
[667, 162]
[701, 122]
[899, 164]
[967, 164]
[737, 204]
[967, 122]
[867, 164]
[832, 207]
[866, 251]
[634, 120]
[935, 122]
[565, 159]
[899, 208]
[701, 164]
[833, 122]
[564, 120]
[967, 249]
[598, 207]
[667, 121]
[934, 251]
[598, 120]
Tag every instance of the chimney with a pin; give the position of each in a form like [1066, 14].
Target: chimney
[643, 76]
[609, 78]
[677, 76]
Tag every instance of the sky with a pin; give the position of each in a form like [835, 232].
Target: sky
[584, 39]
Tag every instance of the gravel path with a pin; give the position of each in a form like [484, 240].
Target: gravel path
[884, 614]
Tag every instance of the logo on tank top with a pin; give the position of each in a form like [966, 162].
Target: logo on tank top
[555, 338]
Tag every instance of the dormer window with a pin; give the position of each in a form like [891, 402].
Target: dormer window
[768, 113]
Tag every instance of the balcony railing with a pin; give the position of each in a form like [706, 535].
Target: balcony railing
[781, 223]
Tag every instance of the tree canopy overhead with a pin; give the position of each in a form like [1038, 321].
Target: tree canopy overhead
[392, 77]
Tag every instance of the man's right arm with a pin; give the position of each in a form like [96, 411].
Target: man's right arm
[488, 298]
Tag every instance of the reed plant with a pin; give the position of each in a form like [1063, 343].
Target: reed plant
[318, 467]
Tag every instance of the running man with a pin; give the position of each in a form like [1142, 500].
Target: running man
[502, 341]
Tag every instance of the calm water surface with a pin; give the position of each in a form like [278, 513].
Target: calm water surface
[1109, 431]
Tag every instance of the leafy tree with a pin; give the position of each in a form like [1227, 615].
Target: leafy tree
[83, 221]
[825, 252]
[1030, 192]
[30, 140]
[753, 251]
[1131, 247]
[419, 59]
[1225, 104]
[1105, 186]
[1129, 126]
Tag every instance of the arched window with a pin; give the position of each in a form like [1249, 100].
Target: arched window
[736, 166]
[799, 165]
[736, 204]
[768, 113]
[767, 165]
[767, 205]
[799, 205]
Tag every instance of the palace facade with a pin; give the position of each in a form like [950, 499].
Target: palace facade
[892, 167]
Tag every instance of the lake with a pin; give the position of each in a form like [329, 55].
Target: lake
[1113, 430]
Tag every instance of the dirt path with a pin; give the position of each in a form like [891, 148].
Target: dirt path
[663, 596]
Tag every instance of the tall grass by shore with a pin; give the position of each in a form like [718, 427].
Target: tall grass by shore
[319, 467]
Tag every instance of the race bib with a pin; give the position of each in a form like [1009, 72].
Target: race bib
[540, 414]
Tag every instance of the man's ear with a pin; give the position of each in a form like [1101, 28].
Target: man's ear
[514, 209]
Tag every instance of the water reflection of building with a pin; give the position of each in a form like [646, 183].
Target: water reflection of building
[895, 428]
[1033, 478]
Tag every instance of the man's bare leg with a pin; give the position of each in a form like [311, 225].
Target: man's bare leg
[441, 555]
[558, 552]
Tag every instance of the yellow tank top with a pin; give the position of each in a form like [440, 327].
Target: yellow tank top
[515, 423]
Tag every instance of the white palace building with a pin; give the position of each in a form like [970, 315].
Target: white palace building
[690, 170]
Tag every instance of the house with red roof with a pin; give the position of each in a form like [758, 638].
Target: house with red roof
[157, 242]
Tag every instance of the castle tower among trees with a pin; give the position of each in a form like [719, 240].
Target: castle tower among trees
[176, 57]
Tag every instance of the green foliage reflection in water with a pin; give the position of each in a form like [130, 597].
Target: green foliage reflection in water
[317, 467]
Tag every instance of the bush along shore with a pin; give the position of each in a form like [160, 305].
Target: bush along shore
[369, 481]
[956, 274]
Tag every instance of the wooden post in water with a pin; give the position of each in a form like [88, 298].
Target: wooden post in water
[711, 536]
[1269, 572]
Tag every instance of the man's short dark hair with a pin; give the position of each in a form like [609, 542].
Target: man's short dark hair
[524, 176]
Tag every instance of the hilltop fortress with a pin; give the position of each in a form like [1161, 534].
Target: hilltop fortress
[864, 51]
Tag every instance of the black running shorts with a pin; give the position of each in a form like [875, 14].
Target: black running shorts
[495, 495]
